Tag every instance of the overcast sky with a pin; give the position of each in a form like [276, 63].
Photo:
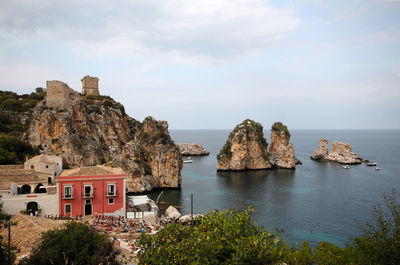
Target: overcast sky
[213, 63]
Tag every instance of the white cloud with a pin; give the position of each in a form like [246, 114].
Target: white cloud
[215, 30]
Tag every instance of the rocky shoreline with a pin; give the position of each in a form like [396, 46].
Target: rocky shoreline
[192, 149]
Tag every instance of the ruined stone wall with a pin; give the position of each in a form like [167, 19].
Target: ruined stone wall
[59, 95]
[90, 85]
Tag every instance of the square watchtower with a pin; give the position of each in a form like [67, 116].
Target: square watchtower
[90, 85]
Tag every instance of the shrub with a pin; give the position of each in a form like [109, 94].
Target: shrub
[227, 237]
[13, 150]
[74, 243]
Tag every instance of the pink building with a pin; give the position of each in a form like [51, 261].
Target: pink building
[92, 190]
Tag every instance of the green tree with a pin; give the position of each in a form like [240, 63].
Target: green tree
[74, 243]
[379, 243]
[226, 237]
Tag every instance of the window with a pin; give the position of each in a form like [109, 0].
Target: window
[68, 208]
[111, 189]
[67, 192]
[32, 166]
[47, 166]
[88, 191]
[110, 200]
[55, 174]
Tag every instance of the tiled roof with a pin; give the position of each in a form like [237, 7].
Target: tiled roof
[92, 171]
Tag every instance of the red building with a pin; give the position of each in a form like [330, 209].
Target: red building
[92, 190]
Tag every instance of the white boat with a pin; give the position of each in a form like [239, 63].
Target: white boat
[187, 161]
[377, 168]
[371, 164]
[345, 166]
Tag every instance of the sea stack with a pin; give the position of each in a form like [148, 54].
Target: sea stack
[246, 148]
[281, 151]
[323, 150]
[340, 152]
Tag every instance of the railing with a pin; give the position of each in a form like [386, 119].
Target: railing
[89, 195]
[111, 194]
[67, 196]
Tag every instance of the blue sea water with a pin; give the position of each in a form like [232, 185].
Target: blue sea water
[318, 201]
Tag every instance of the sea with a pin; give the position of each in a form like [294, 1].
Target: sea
[318, 201]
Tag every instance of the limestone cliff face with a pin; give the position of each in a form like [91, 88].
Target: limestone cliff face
[96, 130]
[281, 151]
[340, 152]
[246, 148]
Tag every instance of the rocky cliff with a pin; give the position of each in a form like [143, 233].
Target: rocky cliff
[96, 130]
[340, 152]
[246, 148]
[281, 151]
[192, 149]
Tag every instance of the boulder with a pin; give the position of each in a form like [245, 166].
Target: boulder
[172, 213]
[188, 217]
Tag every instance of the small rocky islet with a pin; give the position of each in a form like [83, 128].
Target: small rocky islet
[246, 148]
[341, 153]
[192, 149]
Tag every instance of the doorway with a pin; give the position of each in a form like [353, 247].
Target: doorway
[88, 207]
[31, 208]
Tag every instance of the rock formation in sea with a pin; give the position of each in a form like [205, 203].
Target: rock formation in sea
[281, 151]
[91, 129]
[340, 152]
[246, 148]
[323, 150]
[192, 149]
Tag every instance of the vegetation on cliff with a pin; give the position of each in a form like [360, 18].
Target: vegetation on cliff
[14, 151]
[280, 127]
[10, 101]
[13, 108]
[229, 237]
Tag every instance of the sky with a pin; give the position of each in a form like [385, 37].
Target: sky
[210, 64]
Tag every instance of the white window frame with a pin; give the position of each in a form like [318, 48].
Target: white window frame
[108, 189]
[65, 208]
[65, 193]
[91, 189]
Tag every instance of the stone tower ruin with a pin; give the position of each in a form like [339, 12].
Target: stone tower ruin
[90, 85]
[59, 95]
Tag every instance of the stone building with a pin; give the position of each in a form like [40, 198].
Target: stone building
[59, 95]
[45, 164]
[90, 85]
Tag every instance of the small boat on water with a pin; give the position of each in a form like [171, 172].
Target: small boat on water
[345, 166]
[377, 168]
[187, 161]
[371, 164]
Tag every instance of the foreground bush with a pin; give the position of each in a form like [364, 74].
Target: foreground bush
[226, 237]
[229, 237]
[75, 243]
